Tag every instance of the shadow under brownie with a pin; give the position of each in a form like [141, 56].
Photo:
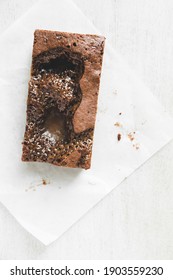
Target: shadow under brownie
[62, 98]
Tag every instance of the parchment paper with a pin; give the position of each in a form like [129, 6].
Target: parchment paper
[45, 199]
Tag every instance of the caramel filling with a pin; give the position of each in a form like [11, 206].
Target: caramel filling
[54, 125]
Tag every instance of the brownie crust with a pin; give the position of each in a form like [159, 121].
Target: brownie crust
[62, 98]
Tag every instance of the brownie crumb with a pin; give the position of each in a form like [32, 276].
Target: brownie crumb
[118, 136]
[131, 136]
[44, 182]
[117, 124]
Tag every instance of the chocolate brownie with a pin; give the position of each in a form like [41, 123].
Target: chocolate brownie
[62, 98]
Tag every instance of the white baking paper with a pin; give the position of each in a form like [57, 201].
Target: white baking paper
[126, 107]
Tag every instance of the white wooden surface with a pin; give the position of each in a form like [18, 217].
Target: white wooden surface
[136, 220]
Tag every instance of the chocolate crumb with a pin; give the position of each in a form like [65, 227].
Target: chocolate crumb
[44, 182]
[117, 124]
[131, 136]
[118, 136]
[120, 113]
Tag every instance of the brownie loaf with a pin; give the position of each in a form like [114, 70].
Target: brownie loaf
[62, 98]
